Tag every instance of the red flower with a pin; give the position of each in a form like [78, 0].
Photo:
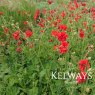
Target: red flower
[6, 30]
[44, 11]
[19, 43]
[42, 31]
[76, 3]
[85, 10]
[49, 18]
[82, 78]
[50, 40]
[72, 8]
[25, 22]
[83, 3]
[93, 25]
[77, 17]
[85, 24]
[81, 33]
[63, 48]
[31, 45]
[52, 12]
[19, 50]
[92, 9]
[62, 36]
[28, 33]
[55, 23]
[65, 44]
[36, 15]
[1, 13]
[63, 14]
[83, 64]
[55, 47]
[16, 35]
[59, 20]
[50, 1]
[63, 27]
[41, 24]
[54, 33]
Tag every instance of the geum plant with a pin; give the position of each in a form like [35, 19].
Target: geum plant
[38, 41]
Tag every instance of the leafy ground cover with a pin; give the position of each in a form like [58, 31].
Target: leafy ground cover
[40, 41]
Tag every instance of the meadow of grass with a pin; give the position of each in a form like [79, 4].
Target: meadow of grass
[38, 37]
